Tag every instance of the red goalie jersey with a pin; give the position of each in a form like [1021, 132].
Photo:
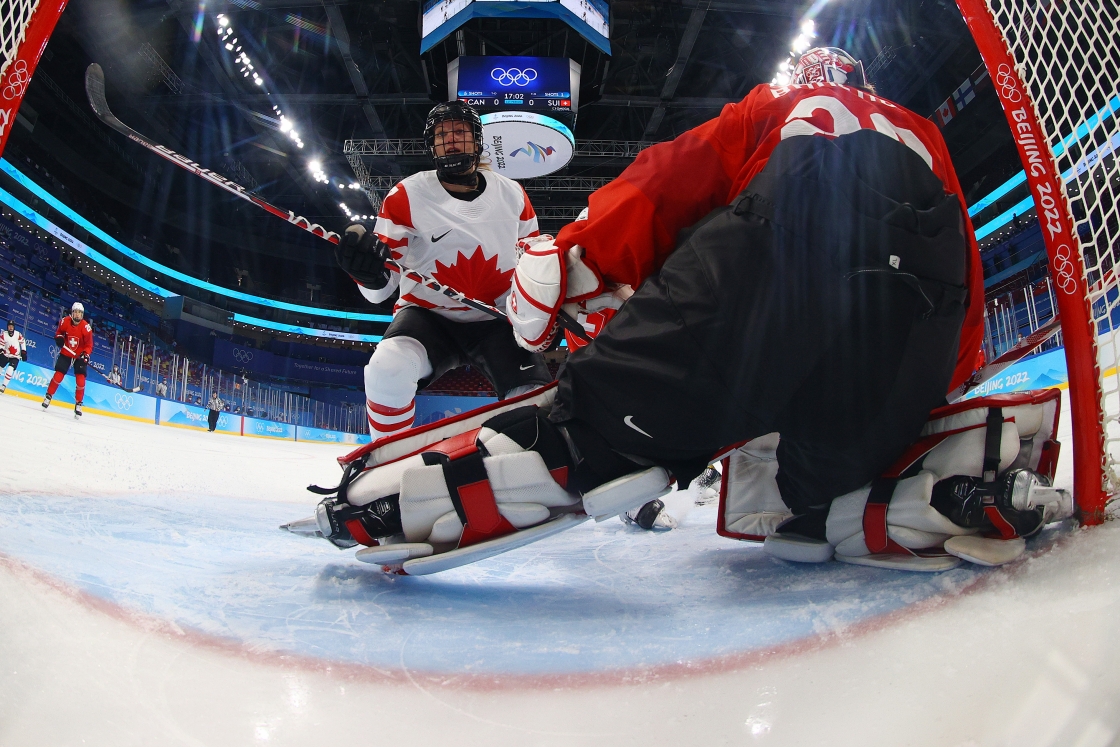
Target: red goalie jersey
[633, 222]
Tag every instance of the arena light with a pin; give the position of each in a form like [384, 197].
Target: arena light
[800, 44]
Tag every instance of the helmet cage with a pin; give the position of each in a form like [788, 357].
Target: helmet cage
[829, 65]
[454, 164]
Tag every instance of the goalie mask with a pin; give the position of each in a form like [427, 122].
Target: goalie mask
[457, 167]
[829, 65]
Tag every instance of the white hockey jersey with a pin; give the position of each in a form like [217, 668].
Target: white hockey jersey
[12, 345]
[469, 246]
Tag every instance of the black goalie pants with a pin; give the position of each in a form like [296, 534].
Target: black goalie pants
[825, 303]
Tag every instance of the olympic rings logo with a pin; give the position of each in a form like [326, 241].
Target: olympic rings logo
[1063, 270]
[18, 78]
[1008, 86]
[242, 356]
[123, 402]
[514, 76]
[52, 351]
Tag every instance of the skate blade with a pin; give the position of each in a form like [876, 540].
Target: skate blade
[483, 550]
[303, 527]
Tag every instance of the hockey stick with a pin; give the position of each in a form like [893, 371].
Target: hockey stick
[89, 366]
[1014, 354]
[95, 91]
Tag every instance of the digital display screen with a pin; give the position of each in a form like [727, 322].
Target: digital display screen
[538, 84]
[590, 18]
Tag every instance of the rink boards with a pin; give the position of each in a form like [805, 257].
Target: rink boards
[30, 382]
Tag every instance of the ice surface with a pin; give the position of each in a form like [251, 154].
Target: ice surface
[149, 598]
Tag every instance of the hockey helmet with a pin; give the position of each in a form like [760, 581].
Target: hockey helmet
[11, 323]
[828, 65]
[77, 307]
[455, 168]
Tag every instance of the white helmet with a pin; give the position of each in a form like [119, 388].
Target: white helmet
[77, 307]
[829, 65]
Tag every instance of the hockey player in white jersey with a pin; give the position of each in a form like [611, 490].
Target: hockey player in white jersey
[13, 349]
[461, 226]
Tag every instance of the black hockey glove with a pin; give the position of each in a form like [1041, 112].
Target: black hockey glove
[23, 355]
[362, 255]
[84, 357]
[60, 340]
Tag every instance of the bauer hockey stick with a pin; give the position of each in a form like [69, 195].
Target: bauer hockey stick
[1014, 354]
[95, 91]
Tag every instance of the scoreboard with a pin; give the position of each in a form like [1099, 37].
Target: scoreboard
[542, 85]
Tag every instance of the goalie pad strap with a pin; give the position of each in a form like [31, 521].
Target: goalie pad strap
[875, 518]
[992, 443]
[468, 485]
[359, 533]
[1002, 525]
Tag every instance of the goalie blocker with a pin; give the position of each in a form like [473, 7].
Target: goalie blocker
[975, 483]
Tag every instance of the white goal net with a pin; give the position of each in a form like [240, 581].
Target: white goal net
[1059, 72]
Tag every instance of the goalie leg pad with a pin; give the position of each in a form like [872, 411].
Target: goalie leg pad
[626, 493]
[750, 504]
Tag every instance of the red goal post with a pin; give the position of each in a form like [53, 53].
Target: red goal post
[1055, 67]
[25, 27]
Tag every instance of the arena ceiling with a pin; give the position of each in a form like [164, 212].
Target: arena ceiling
[353, 70]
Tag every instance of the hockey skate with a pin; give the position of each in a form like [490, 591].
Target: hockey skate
[468, 488]
[78, 411]
[47, 401]
[706, 487]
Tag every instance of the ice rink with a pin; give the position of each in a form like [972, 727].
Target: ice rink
[149, 598]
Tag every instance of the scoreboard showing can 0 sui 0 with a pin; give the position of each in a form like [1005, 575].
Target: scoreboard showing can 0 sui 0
[543, 85]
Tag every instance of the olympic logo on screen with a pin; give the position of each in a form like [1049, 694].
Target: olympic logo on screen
[513, 76]
[123, 402]
[242, 356]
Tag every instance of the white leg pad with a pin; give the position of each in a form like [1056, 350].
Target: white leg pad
[751, 506]
[798, 549]
[985, 550]
[903, 562]
[626, 493]
[483, 550]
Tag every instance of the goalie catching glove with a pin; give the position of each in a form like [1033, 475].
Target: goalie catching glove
[473, 488]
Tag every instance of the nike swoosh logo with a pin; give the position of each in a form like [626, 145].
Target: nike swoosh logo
[437, 238]
[526, 368]
[629, 420]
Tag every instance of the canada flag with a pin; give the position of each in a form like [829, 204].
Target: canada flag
[476, 276]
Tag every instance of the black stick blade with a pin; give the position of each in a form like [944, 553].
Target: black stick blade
[95, 91]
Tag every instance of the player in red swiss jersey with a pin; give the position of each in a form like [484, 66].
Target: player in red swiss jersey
[74, 338]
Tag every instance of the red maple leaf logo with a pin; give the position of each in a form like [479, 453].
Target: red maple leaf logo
[475, 277]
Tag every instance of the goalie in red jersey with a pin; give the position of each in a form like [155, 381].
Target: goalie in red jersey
[806, 290]
[74, 338]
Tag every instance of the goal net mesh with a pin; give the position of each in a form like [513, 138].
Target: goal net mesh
[15, 16]
[1068, 56]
